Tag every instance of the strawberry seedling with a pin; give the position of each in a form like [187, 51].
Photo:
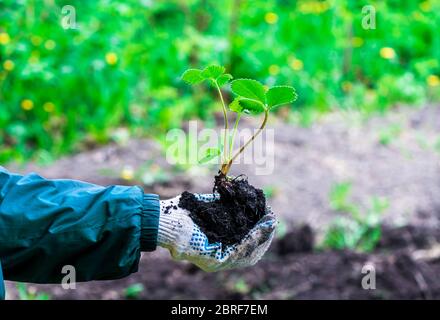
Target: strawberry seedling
[240, 206]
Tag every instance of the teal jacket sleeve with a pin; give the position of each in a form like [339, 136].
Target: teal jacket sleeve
[48, 224]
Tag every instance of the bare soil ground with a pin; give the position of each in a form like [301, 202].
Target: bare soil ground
[405, 169]
[403, 270]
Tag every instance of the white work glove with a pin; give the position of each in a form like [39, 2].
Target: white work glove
[185, 240]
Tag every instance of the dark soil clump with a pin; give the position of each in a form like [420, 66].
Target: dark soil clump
[298, 240]
[230, 218]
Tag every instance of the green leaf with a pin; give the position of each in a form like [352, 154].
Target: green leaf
[211, 153]
[223, 79]
[193, 76]
[251, 106]
[248, 106]
[235, 106]
[213, 71]
[134, 291]
[279, 95]
[250, 89]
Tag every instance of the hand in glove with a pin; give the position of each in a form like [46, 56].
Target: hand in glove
[185, 240]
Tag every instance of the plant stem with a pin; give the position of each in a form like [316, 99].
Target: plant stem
[234, 132]
[225, 168]
[225, 116]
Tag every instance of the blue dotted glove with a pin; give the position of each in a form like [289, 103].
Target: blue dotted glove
[185, 240]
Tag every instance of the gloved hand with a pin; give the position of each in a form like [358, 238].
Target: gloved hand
[185, 240]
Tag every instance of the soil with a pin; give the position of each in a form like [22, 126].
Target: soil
[292, 269]
[228, 219]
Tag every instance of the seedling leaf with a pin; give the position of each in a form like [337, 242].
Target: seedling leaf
[251, 97]
[193, 76]
[251, 106]
[213, 71]
[250, 89]
[280, 95]
[223, 79]
[236, 106]
[248, 106]
[211, 153]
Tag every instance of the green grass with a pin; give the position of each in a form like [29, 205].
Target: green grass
[66, 90]
[134, 291]
[29, 293]
[389, 134]
[355, 228]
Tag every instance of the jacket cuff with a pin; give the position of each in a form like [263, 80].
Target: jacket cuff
[150, 222]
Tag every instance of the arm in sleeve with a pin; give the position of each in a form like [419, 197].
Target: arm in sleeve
[48, 224]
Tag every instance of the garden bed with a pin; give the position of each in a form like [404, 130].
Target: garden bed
[407, 265]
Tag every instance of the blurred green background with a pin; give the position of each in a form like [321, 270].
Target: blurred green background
[63, 90]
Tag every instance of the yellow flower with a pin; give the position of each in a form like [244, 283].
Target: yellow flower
[35, 57]
[274, 70]
[433, 80]
[8, 65]
[127, 173]
[416, 15]
[50, 44]
[357, 42]
[4, 38]
[314, 7]
[387, 53]
[48, 107]
[36, 40]
[347, 86]
[271, 17]
[296, 64]
[425, 6]
[27, 104]
[111, 58]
